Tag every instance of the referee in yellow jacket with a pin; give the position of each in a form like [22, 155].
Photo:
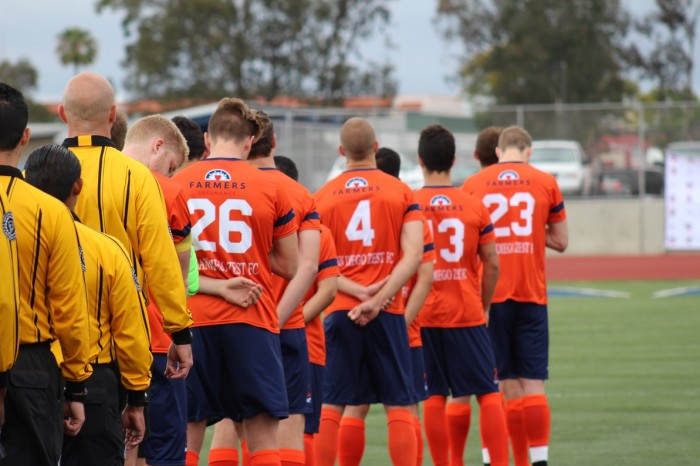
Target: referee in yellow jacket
[53, 305]
[121, 197]
[119, 336]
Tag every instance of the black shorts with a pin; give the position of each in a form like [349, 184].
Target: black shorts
[33, 431]
[100, 441]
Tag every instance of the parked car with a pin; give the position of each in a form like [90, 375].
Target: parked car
[625, 181]
[410, 173]
[567, 161]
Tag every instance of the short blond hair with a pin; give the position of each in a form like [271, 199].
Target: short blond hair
[514, 137]
[152, 126]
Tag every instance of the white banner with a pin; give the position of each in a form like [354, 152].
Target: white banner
[682, 188]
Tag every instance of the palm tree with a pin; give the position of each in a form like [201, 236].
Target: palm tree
[76, 47]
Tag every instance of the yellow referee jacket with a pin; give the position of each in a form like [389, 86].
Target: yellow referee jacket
[53, 300]
[9, 290]
[118, 320]
[121, 197]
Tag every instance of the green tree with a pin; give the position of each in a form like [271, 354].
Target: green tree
[539, 51]
[248, 48]
[669, 61]
[23, 76]
[76, 47]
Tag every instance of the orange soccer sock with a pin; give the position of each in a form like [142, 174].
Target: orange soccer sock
[402, 437]
[436, 429]
[419, 439]
[245, 454]
[351, 441]
[458, 417]
[292, 457]
[265, 458]
[537, 424]
[191, 458]
[492, 423]
[516, 431]
[223, 457]
[326, 441]
[309, 449]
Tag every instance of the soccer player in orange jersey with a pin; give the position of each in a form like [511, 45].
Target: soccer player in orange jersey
[374, 219]
[320, 296]
[242, 225]
[351, 434]
[528, 214]
[456, 312]
[288, 295]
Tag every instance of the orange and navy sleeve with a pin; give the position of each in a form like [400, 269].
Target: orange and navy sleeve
[413, 211]
[486, 231]
[328, 263]
[428, 244]
[557, 213]
[179, 221]
[312, 219]
[285, 223]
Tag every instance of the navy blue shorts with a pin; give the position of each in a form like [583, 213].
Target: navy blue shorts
[238, 374]
[297, 370]
[370, 364]
[459, 361]
[312, 420]
[520, 335]
[420, 378]
[165, 445]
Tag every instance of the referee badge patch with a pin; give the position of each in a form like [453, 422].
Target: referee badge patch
[8, 226]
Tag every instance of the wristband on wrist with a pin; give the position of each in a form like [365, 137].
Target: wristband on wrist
[79, 397]
[137, 397]
[182, 337]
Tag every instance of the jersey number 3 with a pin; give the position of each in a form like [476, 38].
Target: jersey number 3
[226, 225]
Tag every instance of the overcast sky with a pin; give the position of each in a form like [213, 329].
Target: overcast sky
[29, 28]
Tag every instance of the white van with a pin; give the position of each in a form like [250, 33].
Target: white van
[566, 160]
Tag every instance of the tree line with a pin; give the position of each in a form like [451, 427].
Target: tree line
[510, 51]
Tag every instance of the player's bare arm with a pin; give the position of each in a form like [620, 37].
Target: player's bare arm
[424, 283]
[412, 248]
[309, 247]
[489, 257]
[284, 256]
[239, 291]
[363, 293]
[324, 296]
[557, 236]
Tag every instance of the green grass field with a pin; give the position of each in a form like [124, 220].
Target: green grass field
[624, 381]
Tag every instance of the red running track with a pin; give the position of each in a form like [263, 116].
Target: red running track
[674, 266]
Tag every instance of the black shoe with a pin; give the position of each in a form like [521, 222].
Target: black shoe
[539, 463]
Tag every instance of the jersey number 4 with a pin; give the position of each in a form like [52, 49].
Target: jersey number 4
[226, 225]
[522, 200]
[360, 225]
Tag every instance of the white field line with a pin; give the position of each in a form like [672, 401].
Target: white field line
[675, 291]
[595, 292]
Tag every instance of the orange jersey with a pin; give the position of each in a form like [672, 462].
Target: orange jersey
[236, 211]
[365, 210]
[460, 224]
[306, 218]
[414, 339]
[179, 223]
[327, 268]
[522, 201]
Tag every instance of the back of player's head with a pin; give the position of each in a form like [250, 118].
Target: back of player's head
[193, 135]
[357, 138]
[233, 120]
[157, 126]
[388, 161]
[54, 169]
[287, 166]
[436, 148]
[514, 137]
[118, 132]
[14, 116]
[486, 144]
[88, 97]
[263, 145]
